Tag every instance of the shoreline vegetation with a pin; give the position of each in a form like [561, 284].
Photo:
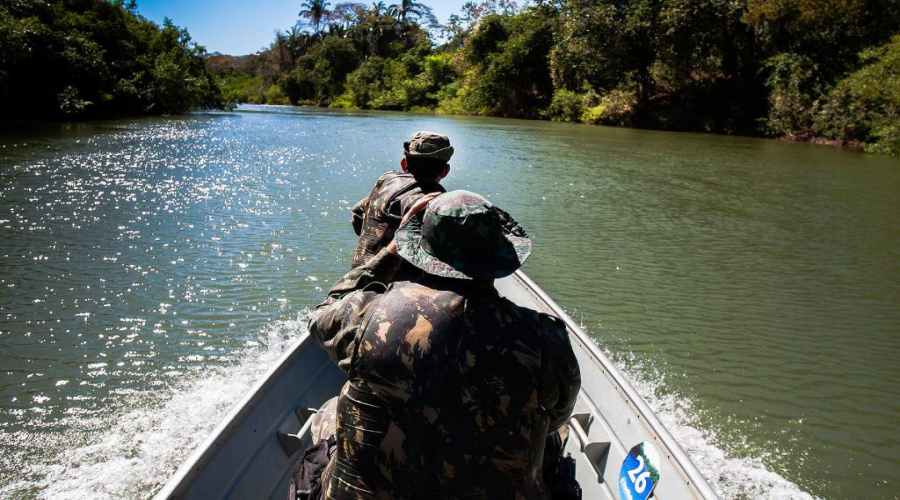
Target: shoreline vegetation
[820, 71]
[84, 59]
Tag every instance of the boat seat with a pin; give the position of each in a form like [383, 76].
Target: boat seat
[596, 452]
[290, 443]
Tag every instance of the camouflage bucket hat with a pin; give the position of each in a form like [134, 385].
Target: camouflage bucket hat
[462, 235]
[425, 144]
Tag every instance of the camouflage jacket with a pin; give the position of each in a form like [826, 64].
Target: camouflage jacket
[452, 389]
[376, 217]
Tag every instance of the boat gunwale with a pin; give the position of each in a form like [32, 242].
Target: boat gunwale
[207, 449]
[624, 385]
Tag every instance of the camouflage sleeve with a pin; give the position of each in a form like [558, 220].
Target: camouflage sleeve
[397, 207]
[358, 213]
[561, 377]
[335, 322]
[402, 203]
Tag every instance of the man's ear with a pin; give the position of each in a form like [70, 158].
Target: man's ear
[445, 171]
[403, 165]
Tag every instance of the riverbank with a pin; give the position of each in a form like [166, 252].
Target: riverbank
[97, 59]
[723, 69]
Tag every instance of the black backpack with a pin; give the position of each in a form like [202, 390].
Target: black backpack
[306, 481]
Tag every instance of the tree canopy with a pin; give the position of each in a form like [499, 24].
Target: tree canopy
[315, 11]
[822, 70]
[802, 69]
[86, 58]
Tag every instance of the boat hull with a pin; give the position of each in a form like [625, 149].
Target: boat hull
[245, 457]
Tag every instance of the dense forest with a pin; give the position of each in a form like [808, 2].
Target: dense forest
[93, 58]
[820, 70]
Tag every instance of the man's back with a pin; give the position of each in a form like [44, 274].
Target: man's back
[450, 396]
[376, 217]
[452, 390]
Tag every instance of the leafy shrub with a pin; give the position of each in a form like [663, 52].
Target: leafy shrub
[792, 88]
[865, 106]
[566, 106]
[614, 108]
[300, 85]
[345, 100]
[276, 96]
[174, 83]
[243, 89]
[70, 103]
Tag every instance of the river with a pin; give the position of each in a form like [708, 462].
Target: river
[152, 269]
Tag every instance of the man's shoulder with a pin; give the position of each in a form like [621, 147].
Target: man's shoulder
[552, 327]
[527, 319]
[402, 192]
[391, 183]
[548, 327]
[413, 290]
[386, 188]
[395, 174]
[555, 341]
[540, 319]
[390, 178]
[552, 322]
[411, 301]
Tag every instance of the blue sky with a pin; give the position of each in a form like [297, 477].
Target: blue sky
[239, 27]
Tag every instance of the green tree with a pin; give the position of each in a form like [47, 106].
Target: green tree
[507, 65]
[320, 74]
[181, 79]
[865, 106]
[606, 45]
[408, 10]
[315, 11]
[348, 14]
[88, 58]
[793, 82]
[829, 32]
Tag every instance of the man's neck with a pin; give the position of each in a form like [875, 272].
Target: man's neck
[426, 180]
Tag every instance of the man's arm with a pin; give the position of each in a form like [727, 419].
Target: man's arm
[358, 214]
[562, 377]
[358, 211]
[335, 322]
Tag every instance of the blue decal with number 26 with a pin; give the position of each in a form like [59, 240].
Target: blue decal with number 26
[640, 472]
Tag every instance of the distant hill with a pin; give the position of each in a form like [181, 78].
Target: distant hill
[222, 65]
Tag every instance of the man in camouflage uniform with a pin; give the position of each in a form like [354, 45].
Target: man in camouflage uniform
[377, 216]
[452, 389]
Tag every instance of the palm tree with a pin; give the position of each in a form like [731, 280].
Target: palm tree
[411, 8]
[378, 8]
[348, 14]
[315, 11]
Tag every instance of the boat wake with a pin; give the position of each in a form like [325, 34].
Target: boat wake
[731, 477]
[131, 454]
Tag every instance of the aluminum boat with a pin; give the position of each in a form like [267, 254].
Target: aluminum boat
[612, 431]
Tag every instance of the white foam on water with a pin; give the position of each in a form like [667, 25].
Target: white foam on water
[730, 477]
[135, 456]
[142, 448]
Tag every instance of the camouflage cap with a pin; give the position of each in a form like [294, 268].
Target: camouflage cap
[462, 235]
[425, 144]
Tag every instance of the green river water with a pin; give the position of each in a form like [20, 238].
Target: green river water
[152, 269]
